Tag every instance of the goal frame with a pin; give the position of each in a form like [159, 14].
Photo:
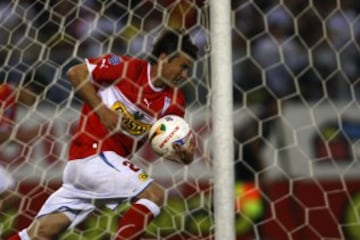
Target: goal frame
[222, 120]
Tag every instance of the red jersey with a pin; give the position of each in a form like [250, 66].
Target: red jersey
[123, 83]
[7, 107]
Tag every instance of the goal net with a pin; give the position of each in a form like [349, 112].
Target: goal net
[296, 116]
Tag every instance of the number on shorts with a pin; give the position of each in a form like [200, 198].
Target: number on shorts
[131, 166]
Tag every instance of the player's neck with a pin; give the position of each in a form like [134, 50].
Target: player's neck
[157, 82]
[155, 76]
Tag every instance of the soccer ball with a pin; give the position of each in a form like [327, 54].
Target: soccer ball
[167, 130]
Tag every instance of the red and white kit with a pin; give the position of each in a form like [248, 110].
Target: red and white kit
[98, 166]
[134, 96]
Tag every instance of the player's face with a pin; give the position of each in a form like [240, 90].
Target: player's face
[177, 69]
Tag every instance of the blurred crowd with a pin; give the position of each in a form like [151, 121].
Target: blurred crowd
[304, 50]
[294, 49]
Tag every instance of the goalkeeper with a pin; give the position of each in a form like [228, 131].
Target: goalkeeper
[122, 97]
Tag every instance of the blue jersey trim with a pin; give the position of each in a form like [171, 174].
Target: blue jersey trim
[103, 157]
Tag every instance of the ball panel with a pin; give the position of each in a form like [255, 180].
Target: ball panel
[167, 130]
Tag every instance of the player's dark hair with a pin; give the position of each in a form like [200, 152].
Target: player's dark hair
[172, 42]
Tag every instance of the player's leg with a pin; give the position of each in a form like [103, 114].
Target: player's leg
[48, 226]
[153, 192]
[141, 213]
[45, 227]
[124, 179]
[64, 209]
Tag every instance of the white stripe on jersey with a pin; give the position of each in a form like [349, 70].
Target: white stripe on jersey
[154, 88]
[111, 95]
[90, 67]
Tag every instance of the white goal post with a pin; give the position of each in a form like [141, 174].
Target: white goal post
[221, 118]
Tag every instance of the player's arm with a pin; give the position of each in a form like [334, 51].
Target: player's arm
[80, 78]
[182, 154]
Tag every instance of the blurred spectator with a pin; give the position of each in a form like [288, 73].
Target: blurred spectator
[279, 54]
[340, 24]
[11, 97]
[58, 32]
[342, 33]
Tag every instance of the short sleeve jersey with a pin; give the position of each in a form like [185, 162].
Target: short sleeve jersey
[7, 108]
[124, 85]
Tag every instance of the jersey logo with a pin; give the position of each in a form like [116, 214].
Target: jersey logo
[143, 177]
[146, 101]
[131, 123]
[114, 60]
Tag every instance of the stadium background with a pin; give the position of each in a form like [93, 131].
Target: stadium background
[302, 55]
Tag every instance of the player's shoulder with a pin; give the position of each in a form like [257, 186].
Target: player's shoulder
[134, 60]
[136, 67]
[116, 59]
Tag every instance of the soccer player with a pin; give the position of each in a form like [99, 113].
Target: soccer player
[10, 98]
[122, 97]
[8, 198]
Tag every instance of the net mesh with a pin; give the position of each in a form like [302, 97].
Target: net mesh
[295, 88]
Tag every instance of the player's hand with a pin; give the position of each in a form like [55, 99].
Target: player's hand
[109, 118]
[182, 154]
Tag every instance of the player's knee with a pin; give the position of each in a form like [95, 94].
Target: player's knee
[39, 231]
[48, 227]
[155, 193]
[42, 231]
[159, 196]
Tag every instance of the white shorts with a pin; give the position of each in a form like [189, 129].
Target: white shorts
[106, 179]
[6, 181]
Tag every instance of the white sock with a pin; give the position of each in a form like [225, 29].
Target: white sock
[153, 207]
[24, 235]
